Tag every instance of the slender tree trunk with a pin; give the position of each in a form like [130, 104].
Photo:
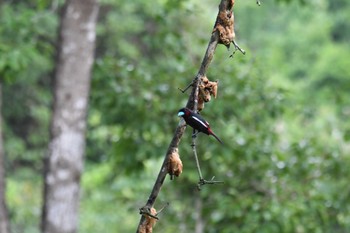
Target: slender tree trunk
[4, 221]
[64, 161]
[198, 214]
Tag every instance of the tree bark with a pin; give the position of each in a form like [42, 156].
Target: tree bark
[198, 214]
[4, 220]
[64, 160]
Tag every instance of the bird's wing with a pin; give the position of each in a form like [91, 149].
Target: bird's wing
[204, 123]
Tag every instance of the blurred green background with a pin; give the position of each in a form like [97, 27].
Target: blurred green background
[282, 111]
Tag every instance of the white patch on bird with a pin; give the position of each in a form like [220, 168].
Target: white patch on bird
[200, 121]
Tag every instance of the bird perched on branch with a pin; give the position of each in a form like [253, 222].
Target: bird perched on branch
[197, 122]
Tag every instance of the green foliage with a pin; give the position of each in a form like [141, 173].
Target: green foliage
[26, 48]
[24, 201]
[282, 112]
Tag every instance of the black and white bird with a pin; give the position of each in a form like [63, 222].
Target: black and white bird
[197, 122]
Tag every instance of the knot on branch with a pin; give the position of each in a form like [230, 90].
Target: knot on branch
[174, 163]
[150, 219]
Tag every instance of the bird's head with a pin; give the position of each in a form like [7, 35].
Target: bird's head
[182, 112]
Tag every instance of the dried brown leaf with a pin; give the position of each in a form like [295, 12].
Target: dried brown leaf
[205, 80]
[213, 88]
[200, 105]
[174, 164]
[224, 24]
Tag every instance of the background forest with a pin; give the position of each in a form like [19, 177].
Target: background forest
[282, 111]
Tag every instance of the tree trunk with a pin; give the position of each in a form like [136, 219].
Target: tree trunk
[4, 221]
[198, 214]
[64, 160]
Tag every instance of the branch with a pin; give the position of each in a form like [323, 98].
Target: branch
[180, 129]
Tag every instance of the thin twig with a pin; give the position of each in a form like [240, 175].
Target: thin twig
[195, 155]
[161, 209]
[201, 181]
[237, 48]
[184, 90]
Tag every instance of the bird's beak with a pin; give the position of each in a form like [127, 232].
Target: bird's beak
[180, 114]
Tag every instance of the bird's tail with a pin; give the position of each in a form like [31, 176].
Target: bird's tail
[217, 138]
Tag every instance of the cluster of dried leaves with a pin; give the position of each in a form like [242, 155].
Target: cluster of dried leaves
[224, 25]
[207, 89]
[174, 164]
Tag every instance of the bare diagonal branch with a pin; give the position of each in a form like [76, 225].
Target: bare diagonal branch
[192, 104]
